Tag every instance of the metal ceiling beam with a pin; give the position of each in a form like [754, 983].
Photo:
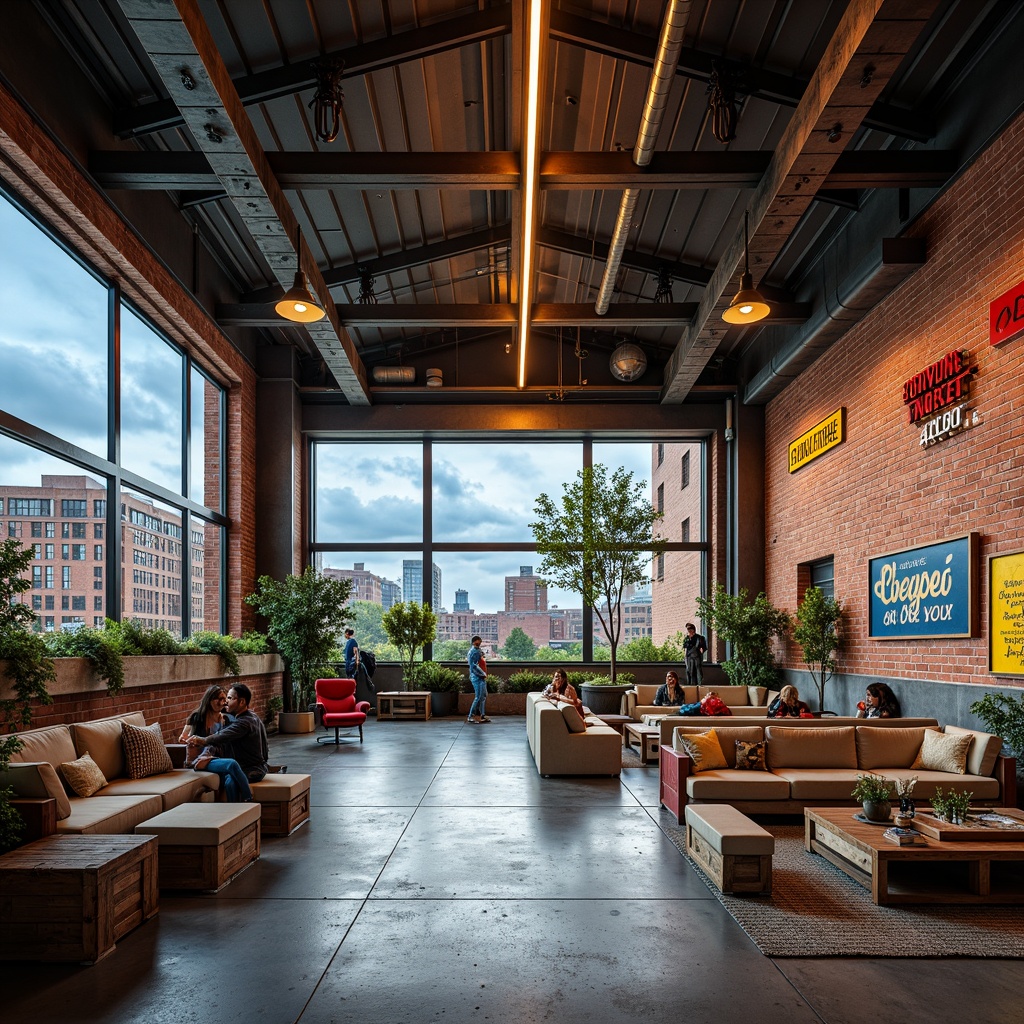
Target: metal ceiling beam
[423, 41]
[777, 87]
[493, 315]
[857, 169]
[179, 43]
[878, 33]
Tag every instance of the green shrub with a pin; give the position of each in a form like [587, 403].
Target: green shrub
[101, 646]
[430, 675]
[524, 682]
[251, 642]
[206, 642]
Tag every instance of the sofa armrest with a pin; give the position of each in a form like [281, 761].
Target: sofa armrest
[1006, 772]
[628, 706]
[38, 815]
[673, 770]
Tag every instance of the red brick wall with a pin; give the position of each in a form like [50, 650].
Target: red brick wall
[880, 490]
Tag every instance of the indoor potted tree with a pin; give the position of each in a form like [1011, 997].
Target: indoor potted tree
[1004, 716]
[749, 628]
[817, 633]
[588, 542]
[305, 616]
[409, 625]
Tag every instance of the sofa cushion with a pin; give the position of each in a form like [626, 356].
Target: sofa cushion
[53, 745]
[178, 786]
[984, 787]
[982, 754]
[811, 748]
[943, 753]
[36, 781]
[730, 784]
[645, 693]
[102, 739]
[144, 751]
[756, 696]
[819, 783]
[887, 748]
[83, 775]
[573, 719]
[732, 696]
[109, 815]
[727, 736]
[750, 756]
[704, 750]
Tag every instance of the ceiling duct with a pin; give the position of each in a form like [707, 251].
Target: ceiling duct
[846, 304]
[394, 375]
[663, 74]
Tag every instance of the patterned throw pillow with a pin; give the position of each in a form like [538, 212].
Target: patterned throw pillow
[704, 750]
[943, 753]
[84, 775]
[144, 751]
[750, 756]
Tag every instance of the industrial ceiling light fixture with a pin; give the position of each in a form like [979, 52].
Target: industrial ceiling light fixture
[366, 296]
[748, 305]
[536, 38]
[722, 103]
[326, 101]
[298, 304]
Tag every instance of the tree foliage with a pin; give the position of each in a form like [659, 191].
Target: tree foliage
[26, 662]
[1004, 715]
[305, 617]
[366, 621]
[518, 646]
[749, 627]
[817, 632]
[589, 537]
[409, 625]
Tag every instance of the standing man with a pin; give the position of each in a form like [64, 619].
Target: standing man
[478, 677]
[351, 654]
[694, 645]
[242, 745]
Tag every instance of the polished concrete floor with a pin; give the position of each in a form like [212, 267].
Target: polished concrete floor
[441, 879]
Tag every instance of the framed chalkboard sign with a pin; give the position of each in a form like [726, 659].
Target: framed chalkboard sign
[925, 592]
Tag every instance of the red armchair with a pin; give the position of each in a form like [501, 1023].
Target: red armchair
[338, 707]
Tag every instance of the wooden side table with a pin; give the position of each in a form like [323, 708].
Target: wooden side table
[403, 704]
[71, 898]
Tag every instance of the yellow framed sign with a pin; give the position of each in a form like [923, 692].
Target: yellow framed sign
[1006, 614]
[822, 437]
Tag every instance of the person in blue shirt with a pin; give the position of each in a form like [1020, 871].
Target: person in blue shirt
[478, 677]
[351, 654]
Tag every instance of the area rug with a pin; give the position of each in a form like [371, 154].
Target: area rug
[816, 910]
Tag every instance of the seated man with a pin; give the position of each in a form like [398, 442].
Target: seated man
[242, 745]
[670, 694]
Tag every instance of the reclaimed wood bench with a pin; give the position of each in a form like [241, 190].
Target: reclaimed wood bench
[733, 851]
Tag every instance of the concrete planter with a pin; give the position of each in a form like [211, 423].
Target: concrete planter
[603, 700]
[296, 722]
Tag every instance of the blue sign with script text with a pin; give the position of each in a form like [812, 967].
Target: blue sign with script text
[924, 592]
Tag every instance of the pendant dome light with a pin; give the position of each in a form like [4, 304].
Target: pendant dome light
[748, 305]
[298, 303]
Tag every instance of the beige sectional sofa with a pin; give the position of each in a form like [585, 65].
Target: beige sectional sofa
[743, 701]
[817, 763]
[123, 803]
[560, 747]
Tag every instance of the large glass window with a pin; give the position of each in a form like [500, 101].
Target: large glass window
[63, 352]
[66, 354]
[484, 568]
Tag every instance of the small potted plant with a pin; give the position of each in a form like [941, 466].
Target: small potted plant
[907, 811]
[874, 792]
[951, 806]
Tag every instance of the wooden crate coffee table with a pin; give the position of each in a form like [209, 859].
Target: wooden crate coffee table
[403, 704]
[983, 871]
[647, 736]
[72, 898]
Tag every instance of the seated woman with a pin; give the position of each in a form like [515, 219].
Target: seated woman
[671, 693]
[879, 702]
[559, 689]
[207, 719]
[788, 705]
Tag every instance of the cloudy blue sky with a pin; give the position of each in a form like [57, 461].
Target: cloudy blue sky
[483, 493]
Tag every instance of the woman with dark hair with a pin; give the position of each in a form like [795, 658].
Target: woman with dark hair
[560, 688]
[669, 693]
[204, 721]
[879, 702]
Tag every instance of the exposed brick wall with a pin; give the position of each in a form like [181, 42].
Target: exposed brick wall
[880, 490]
[169, 705]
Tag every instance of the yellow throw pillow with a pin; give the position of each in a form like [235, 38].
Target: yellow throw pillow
[144, 751]
[750, 756]
[943, 753]
[704, 750]
[84, 775]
